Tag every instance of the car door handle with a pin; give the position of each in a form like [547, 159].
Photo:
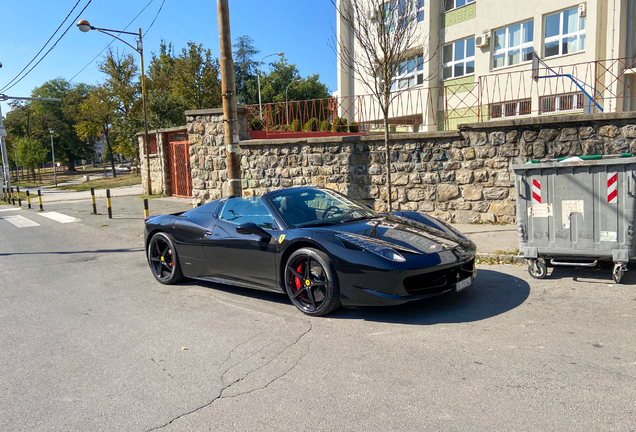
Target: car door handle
[208, 233]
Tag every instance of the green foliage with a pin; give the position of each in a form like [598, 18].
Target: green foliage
[295, 126]
[196, 78]
[164, 110]
[312, 125]
[325, 126]
[353, 126]
[340, 124]
[31, 152]
[245, 68]
[257, 124]
[159, 75]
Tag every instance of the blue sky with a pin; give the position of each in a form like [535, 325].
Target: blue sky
[299, 28]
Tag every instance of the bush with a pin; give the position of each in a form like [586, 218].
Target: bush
[353, 127]
[325, 126]
[340, 125]
[295, 126]
[257, 124]
[312, 125]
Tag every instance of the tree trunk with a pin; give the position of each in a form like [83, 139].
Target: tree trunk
[110, 150]
[388, 162]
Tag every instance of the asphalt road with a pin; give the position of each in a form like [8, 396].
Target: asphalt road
[90, 341]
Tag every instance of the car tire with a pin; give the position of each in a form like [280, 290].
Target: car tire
[163, 259]
[311, 282]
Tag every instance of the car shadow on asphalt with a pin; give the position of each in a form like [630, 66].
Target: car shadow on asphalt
[492, 293]
[601, 273]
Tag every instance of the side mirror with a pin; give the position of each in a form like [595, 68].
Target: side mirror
[252, 228]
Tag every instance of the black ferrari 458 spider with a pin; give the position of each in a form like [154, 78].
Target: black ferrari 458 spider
[318, 246]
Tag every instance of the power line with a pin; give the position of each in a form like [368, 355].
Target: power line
[153, 21]
[111, 42]
[50, 49]
[43, 46]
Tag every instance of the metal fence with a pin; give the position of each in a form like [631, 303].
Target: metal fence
[591, 87]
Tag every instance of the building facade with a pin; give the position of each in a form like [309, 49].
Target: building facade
[472, 60]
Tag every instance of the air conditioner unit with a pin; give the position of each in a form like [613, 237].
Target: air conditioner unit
[482, 41]
[582, 10]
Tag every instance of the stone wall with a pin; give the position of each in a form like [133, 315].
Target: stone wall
[460, 176]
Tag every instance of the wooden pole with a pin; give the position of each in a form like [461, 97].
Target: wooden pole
[228, 90]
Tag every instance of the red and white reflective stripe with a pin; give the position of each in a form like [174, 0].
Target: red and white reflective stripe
[536, 191]
[612, 193]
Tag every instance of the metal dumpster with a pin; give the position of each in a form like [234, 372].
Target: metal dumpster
[576, 213]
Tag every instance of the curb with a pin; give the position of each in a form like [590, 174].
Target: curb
[504, 258]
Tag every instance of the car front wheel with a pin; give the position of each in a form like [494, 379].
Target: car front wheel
[163, 259]
[311, 282]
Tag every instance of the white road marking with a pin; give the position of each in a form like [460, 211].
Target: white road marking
[59, 217]
[20, 221]
[11, 209]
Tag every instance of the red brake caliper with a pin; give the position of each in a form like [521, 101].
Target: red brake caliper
[170, 253]
[300, 271]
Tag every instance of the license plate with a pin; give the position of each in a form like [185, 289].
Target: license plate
[463, 284]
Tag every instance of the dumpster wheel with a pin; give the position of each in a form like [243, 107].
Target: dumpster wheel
[537, 269]
[619, 271]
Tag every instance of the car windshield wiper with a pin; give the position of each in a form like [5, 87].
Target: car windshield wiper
[316, 224]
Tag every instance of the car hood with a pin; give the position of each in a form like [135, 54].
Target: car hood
[406, 232]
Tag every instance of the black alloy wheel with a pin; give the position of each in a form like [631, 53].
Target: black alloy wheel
[311, 282]
[163, 260]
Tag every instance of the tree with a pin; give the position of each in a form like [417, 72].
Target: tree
[383, 31]
[122, 84]
[31, 153]
[159, 75]
[60, 116]
[196, 78]
[96, 116]
[244, 68]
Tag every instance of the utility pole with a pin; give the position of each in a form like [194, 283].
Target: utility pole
[228, 90]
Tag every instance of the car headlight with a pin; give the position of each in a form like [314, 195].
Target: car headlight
[380, 250]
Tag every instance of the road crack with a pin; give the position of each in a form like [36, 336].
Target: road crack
[239, 380]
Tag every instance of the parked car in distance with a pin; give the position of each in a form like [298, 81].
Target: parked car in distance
[318, 246]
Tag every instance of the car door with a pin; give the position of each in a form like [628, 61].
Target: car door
[246, 258]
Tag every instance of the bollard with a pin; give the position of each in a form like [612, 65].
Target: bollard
[93, 201]
[28, 199]
[110, 210]
[12, 197]
[19, 197]
[146, 212]
[40, 200]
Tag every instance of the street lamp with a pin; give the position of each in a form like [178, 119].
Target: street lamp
[52, 131]
[286, 105]
[85, 27]
[258, 78]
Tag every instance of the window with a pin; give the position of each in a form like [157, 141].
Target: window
[564, 33]
[453, 4]
[513, 45]
[247, 209]
[458, 58]
[561, 103]
[409, 73]
[419, 10]
[510, 109]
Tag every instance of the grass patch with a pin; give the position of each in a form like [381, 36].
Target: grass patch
[161, 195]
[104, 183]
[45, 178]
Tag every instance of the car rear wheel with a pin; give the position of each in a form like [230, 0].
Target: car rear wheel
[163, 259]
[311, 282]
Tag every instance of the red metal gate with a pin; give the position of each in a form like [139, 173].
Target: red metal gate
[180, 181]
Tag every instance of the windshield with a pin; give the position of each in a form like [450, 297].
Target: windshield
[315, 207]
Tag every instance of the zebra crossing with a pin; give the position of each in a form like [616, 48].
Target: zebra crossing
[20, 221]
